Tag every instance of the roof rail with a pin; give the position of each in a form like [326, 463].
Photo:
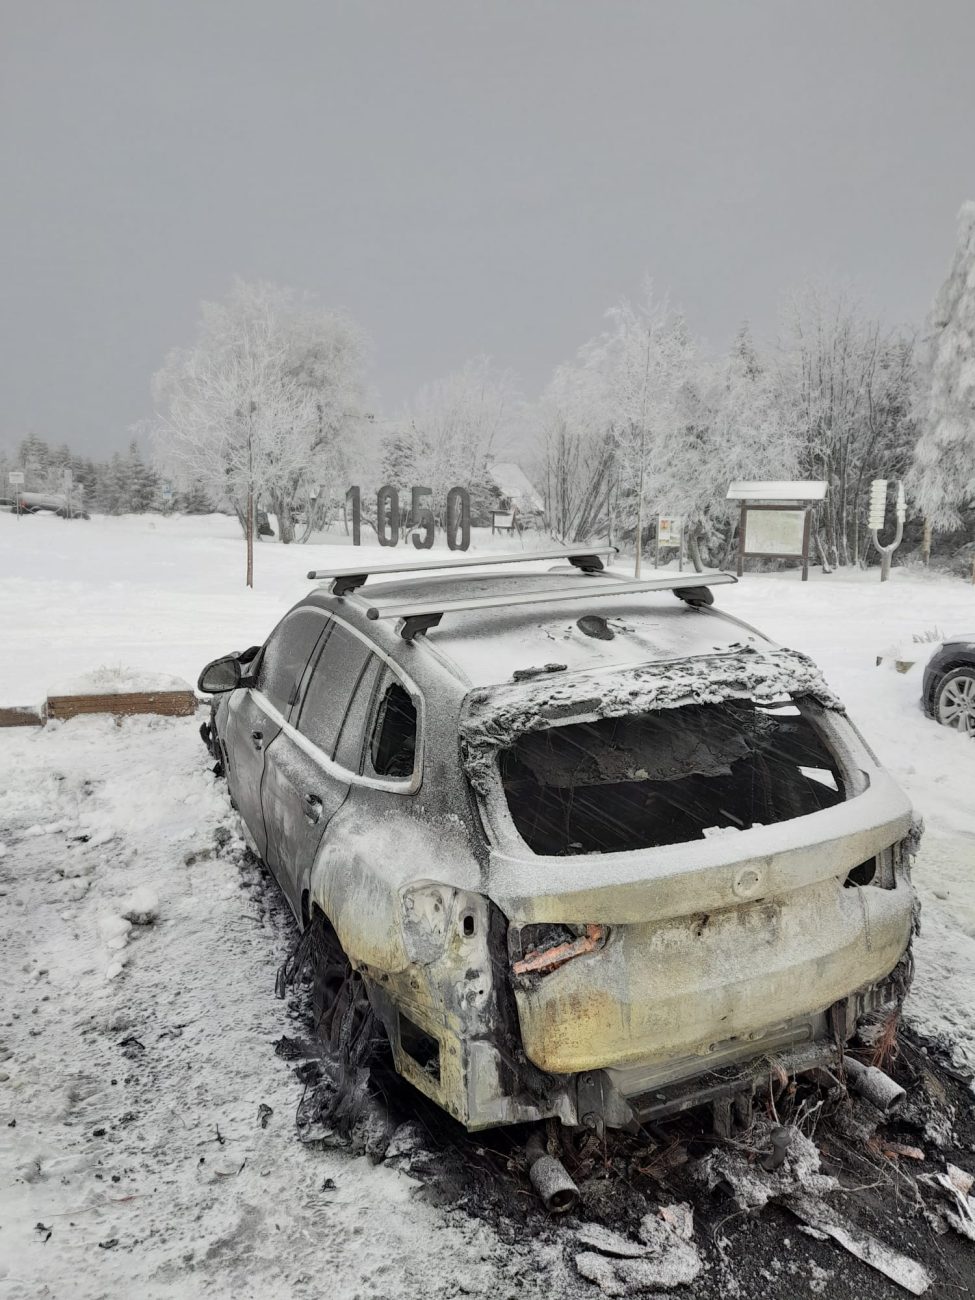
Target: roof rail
[419, 616]
[586, 558]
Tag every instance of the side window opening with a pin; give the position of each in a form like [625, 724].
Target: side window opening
[392, 747]
[331, 686]
[285, 656]
[351, 741]
[666, 777]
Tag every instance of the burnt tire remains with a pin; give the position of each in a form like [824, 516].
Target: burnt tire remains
[343, 1085]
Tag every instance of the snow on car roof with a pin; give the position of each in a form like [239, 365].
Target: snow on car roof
[488, 646]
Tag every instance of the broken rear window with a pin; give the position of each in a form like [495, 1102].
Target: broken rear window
[666, 777]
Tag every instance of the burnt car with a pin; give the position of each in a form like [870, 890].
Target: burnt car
[593, 852]
[948, 688]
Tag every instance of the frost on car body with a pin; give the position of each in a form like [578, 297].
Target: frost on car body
[598, 867]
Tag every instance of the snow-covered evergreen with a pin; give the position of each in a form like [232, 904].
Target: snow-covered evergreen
[943, 480]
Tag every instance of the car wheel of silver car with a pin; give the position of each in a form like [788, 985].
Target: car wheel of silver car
[955, 700]
[343, 1014]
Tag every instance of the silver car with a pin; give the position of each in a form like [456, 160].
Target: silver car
[593, 852]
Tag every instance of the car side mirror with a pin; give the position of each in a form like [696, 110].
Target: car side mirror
[220, 675]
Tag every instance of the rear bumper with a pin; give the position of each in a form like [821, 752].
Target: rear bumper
[665, 1016]
[483, 1087]
[677, 989]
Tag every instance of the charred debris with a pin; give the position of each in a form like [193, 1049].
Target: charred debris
[853, 1180]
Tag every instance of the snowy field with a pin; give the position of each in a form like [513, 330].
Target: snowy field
[134, 1056]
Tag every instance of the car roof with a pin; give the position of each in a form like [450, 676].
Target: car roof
[486, 647]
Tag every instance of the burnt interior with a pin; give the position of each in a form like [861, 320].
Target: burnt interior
[666, 777]
[394, 737]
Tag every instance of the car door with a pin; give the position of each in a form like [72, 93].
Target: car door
[309, 766]
[256, 713]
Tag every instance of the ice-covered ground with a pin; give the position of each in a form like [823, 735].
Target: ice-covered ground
[124, 1047]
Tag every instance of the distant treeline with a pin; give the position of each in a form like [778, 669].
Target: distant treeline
[124, 484]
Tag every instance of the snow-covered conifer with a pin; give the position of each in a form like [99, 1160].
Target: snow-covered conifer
[943, 478]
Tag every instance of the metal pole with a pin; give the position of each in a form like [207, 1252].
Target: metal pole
[877, 512]
[639, 508]
[643, 462]
[250, 493]
[250, 537]
[741, 539]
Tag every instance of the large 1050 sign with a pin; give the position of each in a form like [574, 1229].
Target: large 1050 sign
[419, 519]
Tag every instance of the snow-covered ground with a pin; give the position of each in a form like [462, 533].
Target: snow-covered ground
[134, 1057]
[125, 1047]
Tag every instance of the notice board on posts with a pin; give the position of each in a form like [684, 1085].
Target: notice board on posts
[776, 520]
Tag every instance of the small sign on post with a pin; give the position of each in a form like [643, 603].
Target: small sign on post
[15, 478]
[776, 520]
[670, 532]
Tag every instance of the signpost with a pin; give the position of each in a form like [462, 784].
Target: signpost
[670, 532]
[776, 520]
[875, 521]
[16, 479]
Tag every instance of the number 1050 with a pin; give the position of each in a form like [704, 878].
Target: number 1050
[420, 519]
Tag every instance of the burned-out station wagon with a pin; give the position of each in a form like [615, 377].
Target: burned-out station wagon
[595, 852]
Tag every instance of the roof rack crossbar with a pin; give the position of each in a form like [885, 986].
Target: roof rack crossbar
[420, 616]
[346, 580]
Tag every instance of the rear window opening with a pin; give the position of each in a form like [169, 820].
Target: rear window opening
[393, 745]
[666, 777]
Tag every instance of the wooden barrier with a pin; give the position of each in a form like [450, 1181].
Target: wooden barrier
[16, 717]
[169, 704]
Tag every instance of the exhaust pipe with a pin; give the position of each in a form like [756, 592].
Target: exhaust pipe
[550, 1178]
[871, 1083]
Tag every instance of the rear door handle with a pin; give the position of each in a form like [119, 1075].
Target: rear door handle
[257, 737]
[313, 808]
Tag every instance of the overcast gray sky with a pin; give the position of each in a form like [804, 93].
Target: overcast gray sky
[462, 178]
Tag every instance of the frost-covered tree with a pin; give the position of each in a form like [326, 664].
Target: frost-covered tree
[849, 385]
[610, 420]
[640, 425]
[449, 433]
[578, 454]
[943, 477]
[262, 406]
[743, 430]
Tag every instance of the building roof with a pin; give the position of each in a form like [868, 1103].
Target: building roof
[515, 484]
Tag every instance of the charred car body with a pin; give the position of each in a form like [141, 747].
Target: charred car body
[595, 853]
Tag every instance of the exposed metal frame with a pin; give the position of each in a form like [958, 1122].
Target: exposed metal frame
[420, 616]
[346, 580]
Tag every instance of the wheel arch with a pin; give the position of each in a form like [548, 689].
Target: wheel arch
[964, 664]
[940, 670]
